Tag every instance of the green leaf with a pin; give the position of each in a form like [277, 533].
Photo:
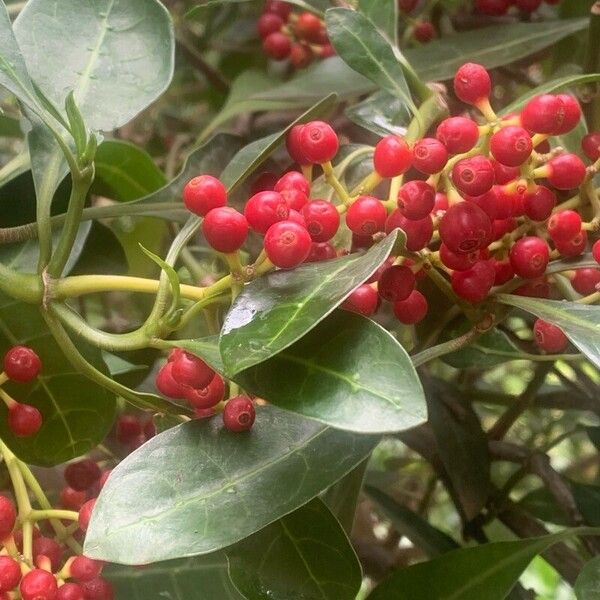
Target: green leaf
[363, 47]
[276, 310]
[314, 6]
[186, 491]
[382, 113]
[587, 586]
[10, 127]
[305, 554]
[77, 413]
[580, 322]
[117, 56]
[461, 444]
[383, 14]
[204, 578]
[249, 158]
[408, 523]
[488, 571]
[594, 435]
[348, 372]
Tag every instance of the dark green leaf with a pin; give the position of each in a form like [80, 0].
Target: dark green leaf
[316, 6]
[276, 310]
[383, 14]
[594, 435]
[249, 158]
[581, 323]
[207, 348]
[204, 578]
[186, 491]
[382, 113]
[363, 47]
[488, 571]
[10, 127]
[587, 586]
[348, 372]
[462, 445]
[423, 535]
[304, 555]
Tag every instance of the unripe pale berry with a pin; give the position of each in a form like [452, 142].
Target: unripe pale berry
[458, 134]
[529, 257]
[202, 194]
[411, 310]
[366, 216]
[22, 364]
[416, 199]
[322, 220]
[548, 337]
[318, 142]
[511, 146]
[239, 414]
[287, 244]
[392, 156]
[473, 176]
[429, 156]
[472, 83]
[225, 229]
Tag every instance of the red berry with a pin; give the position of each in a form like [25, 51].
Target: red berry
[81, 475]
[586, 281]
[128, 430]
[287, 244]
[543, 114]
[97, 589]
[418, 233]
[10, 574]
[548, 337]
[85, 514]
[318, 141]
[22, 364]
[225, 229]
[24, 420]
[265, 181]
[189, 370]
[504, 174]
[396, 283]
[495, 8]
[528, 5]
[539, 204]
[72, 499]
[70, 591]
[364, 300]
[441, 202]
[500, 227]
[566, 171]
[278, 7]
[488, 202]
[429, 156]
[264, 209]
[322, 220]
[416, 199]
[38, 585]
[511, 146]
[268, 23]
[458, 134]
[204, 193]
[472, 83]
[392, 156]
[573, 247]
[407, 5]
[300, 55]
[308, 27]
[208, 396]
[277, 45]
[424, 31]
[366, 216]
[473, 176]
[43, 546]
[456, 261]
[529, 257]
[503, 271]
[411, 310]
[293, 180]
[596, 251]
[85, 569]
[321, 251]
[166, 384]
[475, 284]
[537, 288]
[294, 145]
[564, 225]
[239, 414]
[570, 114]
[591, 145]
[465, 228]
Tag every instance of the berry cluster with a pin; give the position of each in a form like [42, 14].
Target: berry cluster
[498, 8]
[21, 365]
[286, 34]
[481, 205]
[187, 377]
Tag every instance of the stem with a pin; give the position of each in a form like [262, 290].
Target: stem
[592, 65]
[53, 513]
[14, 166]
[335, 183]
[445, 348]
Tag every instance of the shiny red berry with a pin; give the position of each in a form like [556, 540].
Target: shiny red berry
[465, 228]
[418, 233]
[503, 271]
[458, 134]
[322, 220]
[208, 396]
[366, 216]
[202, 194]
[24, 420]
[308, 27]
[10, 573]
[268, 23]
[529, 257]
[548, 337]
[573, 247]
[472, 83]
[396, 283]
[293, 180]
[278, 7]
[321, 251]
[590, 144]
[596, 251]
[239, 414]
[301, 55]
[424, 31]
[38, 585]
[458, 261]
[473, 176]
[81, 475]
[494, 8]
[429, 156]
[84, 568]
[166, 384]
[294, 145]
[264, 209]
[539, 204]
[511, 146]
[441, 202]
[570, 114]
[277, 45]
[488, 202]
[8, 516]
[364, 300]
[263, 182]
[392, 156]
[287, 244]
[189, 370]
[474, 284]
[318, 142]
[225, 229]
[98, 589]
[411, 310]
[564, 225]
[128, 429]
[543, 114]
[44, 546]
[407, 5]
[70, 591]
[586, 281]
[566, 171]
[72, 499]
[536, 288]
[504, 174]
[22, 364]
[416, 199]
